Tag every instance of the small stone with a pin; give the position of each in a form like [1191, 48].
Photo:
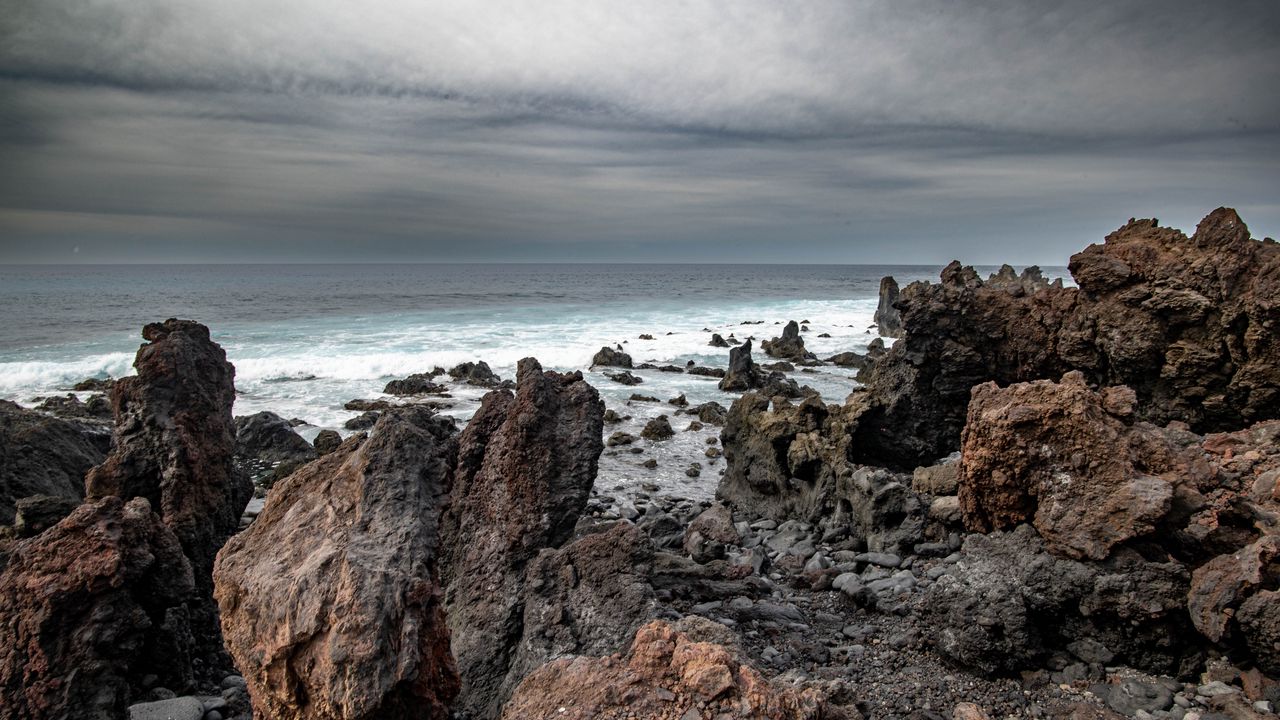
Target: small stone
[182, 708]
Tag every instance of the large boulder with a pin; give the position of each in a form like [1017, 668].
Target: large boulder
[1190, 323]
[789, 346]
[611, 358]
[331, 604]
[267, 443]
[666, 674]
[415, 384]
[1067, 459]
[526, 464]
[887, 318]
[43, 455]
[174, 444]
[93, 611]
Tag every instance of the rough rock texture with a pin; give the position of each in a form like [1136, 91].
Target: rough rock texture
[326, 442]
[1010, 604]
[1191, 324]
[612, 358]
[475, 373]
[789, 346]
[887, 318]
[587, 598]
[88, 609]
[38, 513]
[1062, 456]
[666, 674]
[42, 455]
[658, 428]
[96, 407]
[526, 464]
[416, 384]
[174, 443]
[266, 441]
[330, 601]
[1231, 600]
[743, 374]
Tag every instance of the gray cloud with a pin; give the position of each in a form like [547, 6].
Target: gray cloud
[839, 132]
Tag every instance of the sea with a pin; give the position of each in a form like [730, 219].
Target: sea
[305, 339]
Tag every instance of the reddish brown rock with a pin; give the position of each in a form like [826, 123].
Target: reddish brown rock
[1219, 586]
[88, 609]
[1052, 454]
[666, 674]
[1190, 323]
[526, 464]
[174, 441]
[330, 601]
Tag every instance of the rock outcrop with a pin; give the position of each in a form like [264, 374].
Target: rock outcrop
[331, 603]
[666, 674]
[476, 373]
[526, 464]
[415, 384]
[790, 346]
[266, 444]
[744, 374]
[92, 612]
[611, 358]
[1190, 323]
[42, 455]
[174, 443]
[887, 318]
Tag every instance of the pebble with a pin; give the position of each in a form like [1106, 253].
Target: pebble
[1215, 688]
[181, 708]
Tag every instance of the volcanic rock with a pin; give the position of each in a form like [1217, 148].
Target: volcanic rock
[887, 318]
[69, 407]
[476, 373]
[416, 384]
[326, 442]
[658, 428]
[266, 441]
[743, 373]
[789, 346]
[42, 455]
[717, 341]
[665, 674]
[331, 604]
[611, 358]
[626, 378]
[92, 611]
[526, 464]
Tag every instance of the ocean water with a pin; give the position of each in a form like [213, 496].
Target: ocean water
[307, 338]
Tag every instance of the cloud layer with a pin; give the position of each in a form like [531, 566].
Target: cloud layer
[844, 132]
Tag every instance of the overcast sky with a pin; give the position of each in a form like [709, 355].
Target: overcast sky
[736, 131]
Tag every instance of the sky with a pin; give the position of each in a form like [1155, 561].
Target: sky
[913, 131]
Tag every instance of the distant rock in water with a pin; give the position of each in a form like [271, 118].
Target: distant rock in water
[94, 613]
[266, 442]
[790, 346]
[43, 455]
[70, 407]
[475, 373]
[743, 374]
[174, 444]
[341, 563]
[1188, 322]
[658, 428]
[416, 384]
[887, 318]
[717, 341]
[94, 385]
[609, 357]
[38, 513]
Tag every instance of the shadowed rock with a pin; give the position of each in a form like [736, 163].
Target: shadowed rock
[90, 608]
[611, 358]
[330, 601]
[887, 318]
[42, 455]
[789, 346]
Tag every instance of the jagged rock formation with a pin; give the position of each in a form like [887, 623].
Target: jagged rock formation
[1188, 323]
[37, 513]
[789, 346]
[717, 341]
[611, 358]
[887, 318]
[42, 455]
[476, 373]
[415, 384]
[174, 443]
[331, 604]
[526, 463]
[92, 607]
[744, 374]
[666, 674]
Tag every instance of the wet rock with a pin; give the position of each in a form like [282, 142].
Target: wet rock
[90, 609]
[1186, 322]
[179, 708]
[526, 464]
[711, 413]
[266, 441]
[331, 603]
[789, 346]
[416, 384]
[658, 428]
[887, 318]
[363, 421]
[707, 536]
[665, 674]
[96, 407]
[476, 373]
[326, 442]
[717, 341]
[174, 444]
[42, 455]
[743, 374]
[95, 385]
[611, 358]
[626, 378]
[849, 360]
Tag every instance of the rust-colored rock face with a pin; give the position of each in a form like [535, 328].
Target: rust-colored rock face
[90, 607]
[330, 601]
[175, 438]
[665, 675]
[526, 463]
[1192, 324]
[1059, 455]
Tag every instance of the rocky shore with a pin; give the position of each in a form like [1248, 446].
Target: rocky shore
[1044, 501]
